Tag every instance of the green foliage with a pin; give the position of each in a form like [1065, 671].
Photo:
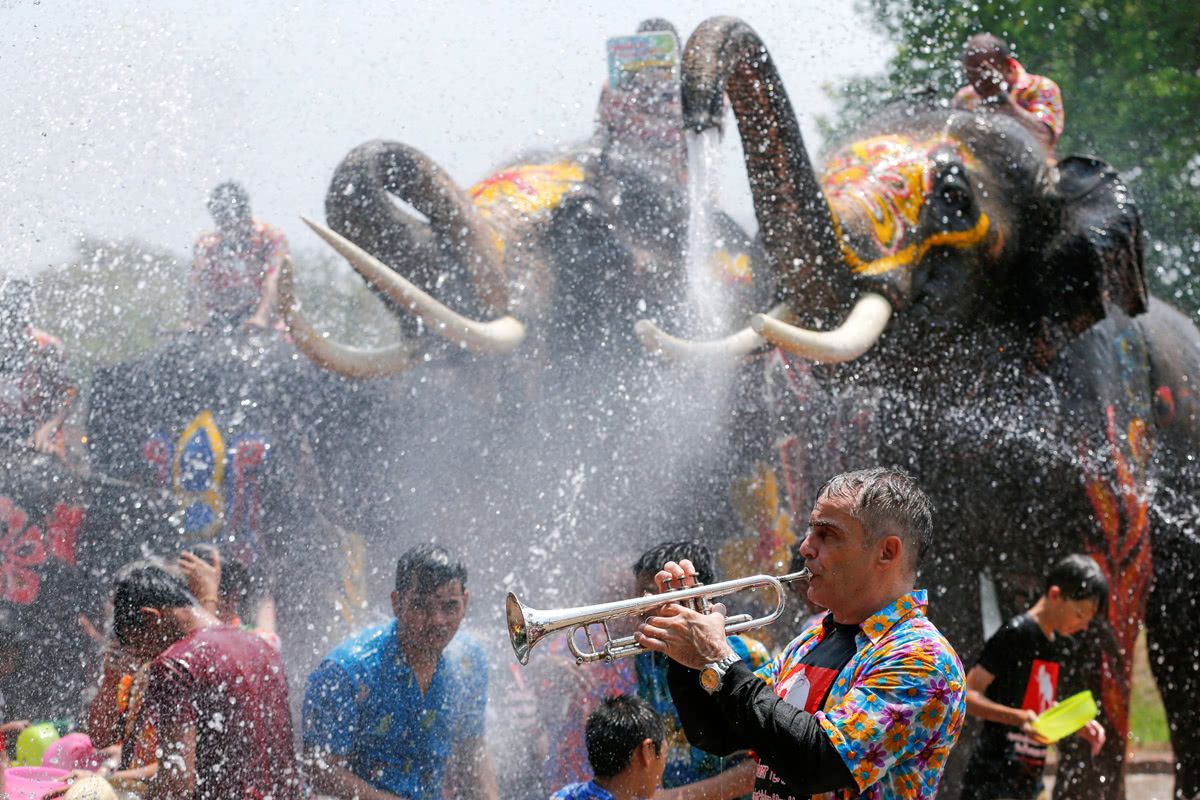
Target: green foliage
[116, 299]
[1130, 76]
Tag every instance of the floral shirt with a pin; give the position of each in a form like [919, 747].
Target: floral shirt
[1036, 94]
[896, 709]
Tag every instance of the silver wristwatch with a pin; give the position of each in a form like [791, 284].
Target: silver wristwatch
[713, 674]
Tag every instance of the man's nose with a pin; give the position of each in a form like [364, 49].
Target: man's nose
[807, 549]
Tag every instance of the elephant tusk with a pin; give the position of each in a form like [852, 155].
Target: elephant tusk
[349, 362]
[501, 335]
[728, 348]
[857, 334]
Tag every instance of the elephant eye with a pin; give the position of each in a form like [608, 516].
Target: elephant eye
[955, 196]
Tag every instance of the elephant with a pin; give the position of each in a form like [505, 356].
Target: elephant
[556, 253]
[955, 302]
[518, 299]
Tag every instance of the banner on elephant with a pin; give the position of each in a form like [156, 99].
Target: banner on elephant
[648, 54]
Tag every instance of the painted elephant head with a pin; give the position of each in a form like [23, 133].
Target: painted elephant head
[560, 247]
[925, 220]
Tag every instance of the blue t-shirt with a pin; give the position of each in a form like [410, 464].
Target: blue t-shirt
[581, 791]
[363, 703]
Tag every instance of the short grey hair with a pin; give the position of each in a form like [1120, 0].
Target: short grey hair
[888, 502]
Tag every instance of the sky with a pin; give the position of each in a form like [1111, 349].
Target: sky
[120, 116]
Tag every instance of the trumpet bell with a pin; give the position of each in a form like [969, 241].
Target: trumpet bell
[518, 629]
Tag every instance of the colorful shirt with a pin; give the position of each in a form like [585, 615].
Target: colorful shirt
[1036, 94]
[687, 764]
[363, 703]
[34, 384]
[582, 791]
[895, 710]
[229, 277]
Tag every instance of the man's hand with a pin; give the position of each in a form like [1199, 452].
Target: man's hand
[1027, 717]
[1093, 734]
[687, 636]
[203, 579]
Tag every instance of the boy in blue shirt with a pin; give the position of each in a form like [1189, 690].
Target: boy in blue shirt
[626, 746]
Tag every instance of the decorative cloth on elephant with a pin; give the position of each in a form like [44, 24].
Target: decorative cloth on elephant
[1037, 94]
[229, 276]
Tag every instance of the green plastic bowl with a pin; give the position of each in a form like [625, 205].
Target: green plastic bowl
[1063, 719]
[33, 742]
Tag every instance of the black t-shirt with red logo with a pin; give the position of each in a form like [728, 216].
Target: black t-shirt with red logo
[808, 689]
[1025, 663]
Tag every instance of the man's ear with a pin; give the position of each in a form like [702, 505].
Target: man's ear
[150, 616]
[466, 600]
[1054, 593]
[647, 753]
[891, 549]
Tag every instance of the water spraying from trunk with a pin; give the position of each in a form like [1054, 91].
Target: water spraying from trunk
[708, 303]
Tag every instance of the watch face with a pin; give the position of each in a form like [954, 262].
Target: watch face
[710, 680]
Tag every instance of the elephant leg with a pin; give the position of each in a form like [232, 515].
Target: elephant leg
[1175, 651]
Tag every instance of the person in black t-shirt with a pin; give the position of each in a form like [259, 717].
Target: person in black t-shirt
[1016, 679]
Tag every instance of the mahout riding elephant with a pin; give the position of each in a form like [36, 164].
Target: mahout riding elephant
[956, 302]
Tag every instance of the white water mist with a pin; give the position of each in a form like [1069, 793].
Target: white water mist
[708, 303]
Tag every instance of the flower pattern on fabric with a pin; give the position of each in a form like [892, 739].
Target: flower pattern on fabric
[1036, 94]
[21, 550]
[897, 707]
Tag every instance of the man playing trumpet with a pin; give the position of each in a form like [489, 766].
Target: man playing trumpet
[872, 696]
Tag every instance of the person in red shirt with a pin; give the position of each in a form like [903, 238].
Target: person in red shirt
[217, 695]
[235, 269]
[997, 82]
[36, 391]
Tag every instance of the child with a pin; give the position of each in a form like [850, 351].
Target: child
[626, 745]
[1016, 678]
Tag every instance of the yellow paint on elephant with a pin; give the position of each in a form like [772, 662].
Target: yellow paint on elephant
[913, 252]
[886, 179]
[769, 547]
[732, 269]
[527, 187]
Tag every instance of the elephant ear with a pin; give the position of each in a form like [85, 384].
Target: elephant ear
[1095, 259]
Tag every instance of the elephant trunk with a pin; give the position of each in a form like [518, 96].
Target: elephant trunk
[359, 206]
[725, 57]
[367, 223]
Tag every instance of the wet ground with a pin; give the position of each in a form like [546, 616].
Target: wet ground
[1138, 786]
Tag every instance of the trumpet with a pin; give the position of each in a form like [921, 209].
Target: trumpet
[528, 626]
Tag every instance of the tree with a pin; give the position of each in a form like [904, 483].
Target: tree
[1130, 76]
